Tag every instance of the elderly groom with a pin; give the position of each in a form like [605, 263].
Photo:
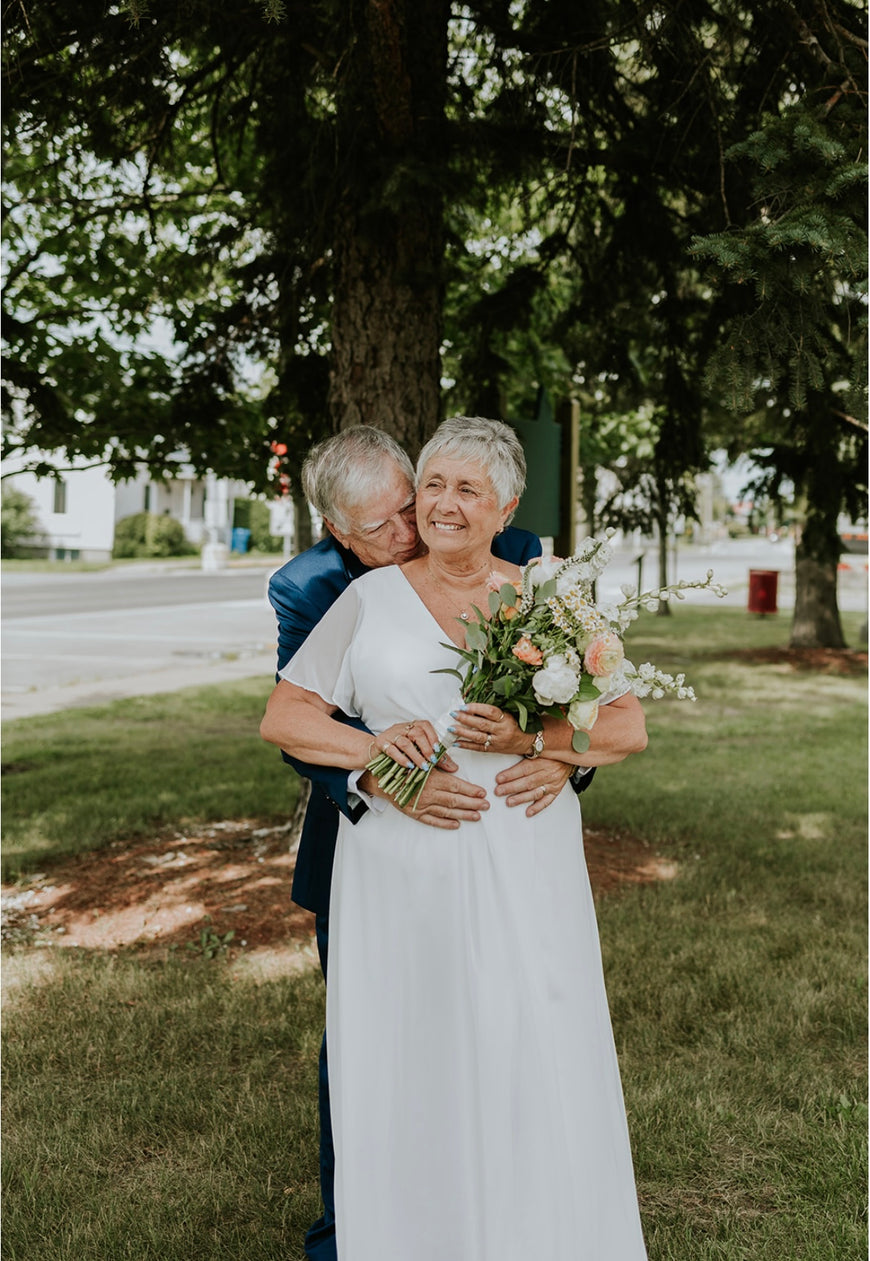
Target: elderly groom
[362, 484]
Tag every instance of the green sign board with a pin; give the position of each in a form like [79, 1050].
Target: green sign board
[540, 507]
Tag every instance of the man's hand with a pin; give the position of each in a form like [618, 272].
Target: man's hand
[445, 802]
[537, 781]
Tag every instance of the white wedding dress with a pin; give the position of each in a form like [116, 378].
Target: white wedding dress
[476, 1103]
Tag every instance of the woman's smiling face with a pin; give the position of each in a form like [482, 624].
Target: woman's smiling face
[457, 506]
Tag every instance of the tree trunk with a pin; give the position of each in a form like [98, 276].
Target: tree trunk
[664, 606]
[389, 240]
[816, 621]
[302, 523]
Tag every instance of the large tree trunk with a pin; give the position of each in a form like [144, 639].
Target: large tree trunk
[816, 622]
[386, 318]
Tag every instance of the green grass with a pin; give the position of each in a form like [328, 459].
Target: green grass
[738, 989]
[168, 1110]
[160, 1113]
[82, 778]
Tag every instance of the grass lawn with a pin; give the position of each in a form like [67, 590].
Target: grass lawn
[167, 1109]
[81, 778]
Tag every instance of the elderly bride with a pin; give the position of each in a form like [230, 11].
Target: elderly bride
[476, 1102]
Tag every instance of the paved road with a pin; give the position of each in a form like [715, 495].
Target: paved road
[82, 639]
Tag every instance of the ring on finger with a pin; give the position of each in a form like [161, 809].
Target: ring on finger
[540, 792]
[488, 741]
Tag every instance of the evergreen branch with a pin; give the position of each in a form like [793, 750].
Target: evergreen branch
[849, 36]
[851, 420]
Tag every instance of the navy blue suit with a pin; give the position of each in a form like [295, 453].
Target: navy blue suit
[300, 593]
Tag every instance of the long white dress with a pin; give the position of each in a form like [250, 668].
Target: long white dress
[476, 1103]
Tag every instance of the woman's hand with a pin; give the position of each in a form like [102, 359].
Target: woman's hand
[487, 729]
[409, 743]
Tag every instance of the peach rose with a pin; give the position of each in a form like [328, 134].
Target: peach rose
[495, 582]
[526, 651]
[604, 655]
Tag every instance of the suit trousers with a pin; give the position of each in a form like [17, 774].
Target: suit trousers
[320, 1238]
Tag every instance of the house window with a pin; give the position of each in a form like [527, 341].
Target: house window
[60, 495]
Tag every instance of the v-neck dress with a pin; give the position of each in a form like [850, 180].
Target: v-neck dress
[477, 1110]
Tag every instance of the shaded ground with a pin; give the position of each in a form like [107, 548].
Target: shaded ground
[226, 886]
[190, 890]
[823, 660]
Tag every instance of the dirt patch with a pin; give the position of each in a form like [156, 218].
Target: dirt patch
[823, 660]
[189, 891]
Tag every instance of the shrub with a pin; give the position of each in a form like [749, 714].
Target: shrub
[146, 534]
[18, 522]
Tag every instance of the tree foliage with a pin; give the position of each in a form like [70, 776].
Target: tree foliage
[792, 280]
[323, 208]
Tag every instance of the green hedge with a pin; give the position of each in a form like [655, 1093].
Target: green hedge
[146, 534]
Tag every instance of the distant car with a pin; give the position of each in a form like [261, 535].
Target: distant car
[854, 539]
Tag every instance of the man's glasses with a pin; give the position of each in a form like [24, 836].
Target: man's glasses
[407, 512]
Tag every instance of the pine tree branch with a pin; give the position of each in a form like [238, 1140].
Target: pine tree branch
[851, 420]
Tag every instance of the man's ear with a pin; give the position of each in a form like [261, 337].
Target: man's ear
[342, 538]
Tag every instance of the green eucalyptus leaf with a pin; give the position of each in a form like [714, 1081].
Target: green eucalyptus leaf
[475, 637]
[587, 691]
[494, 602]
[580, 741]
[508, 595]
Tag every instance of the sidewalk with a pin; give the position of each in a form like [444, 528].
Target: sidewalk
[51, 700]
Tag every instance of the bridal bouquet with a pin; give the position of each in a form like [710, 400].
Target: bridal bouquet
[548, 649]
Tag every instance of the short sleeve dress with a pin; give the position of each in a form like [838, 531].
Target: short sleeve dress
[476, 1103]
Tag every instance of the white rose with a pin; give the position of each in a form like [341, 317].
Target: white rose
[543, 571]
[582, 714]
[556, 683]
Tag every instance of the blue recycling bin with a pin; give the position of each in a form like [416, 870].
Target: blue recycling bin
[240, 540]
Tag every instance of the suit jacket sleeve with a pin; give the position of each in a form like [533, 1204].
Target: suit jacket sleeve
[298, 610]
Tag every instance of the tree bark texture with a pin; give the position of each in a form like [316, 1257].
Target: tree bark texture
[816, 621]
[388, 240]
[663, 608]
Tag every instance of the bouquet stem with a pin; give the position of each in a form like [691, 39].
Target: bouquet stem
[405, 784]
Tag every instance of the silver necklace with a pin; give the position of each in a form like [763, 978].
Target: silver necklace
[464, 614]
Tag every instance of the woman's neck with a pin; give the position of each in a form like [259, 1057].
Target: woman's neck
[459, 572]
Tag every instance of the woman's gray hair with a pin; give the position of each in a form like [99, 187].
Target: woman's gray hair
[490, 443]
[343, 470]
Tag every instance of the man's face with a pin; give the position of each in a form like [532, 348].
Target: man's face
[382, 529]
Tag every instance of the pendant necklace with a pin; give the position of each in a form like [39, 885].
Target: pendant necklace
[464, 614]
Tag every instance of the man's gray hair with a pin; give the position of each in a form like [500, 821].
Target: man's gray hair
[490, 443]
[342, 471]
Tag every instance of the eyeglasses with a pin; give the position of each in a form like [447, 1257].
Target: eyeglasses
[407, 512]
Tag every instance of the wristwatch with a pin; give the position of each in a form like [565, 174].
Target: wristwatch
[537, 747]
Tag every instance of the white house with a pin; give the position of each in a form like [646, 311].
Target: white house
[78, 507]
